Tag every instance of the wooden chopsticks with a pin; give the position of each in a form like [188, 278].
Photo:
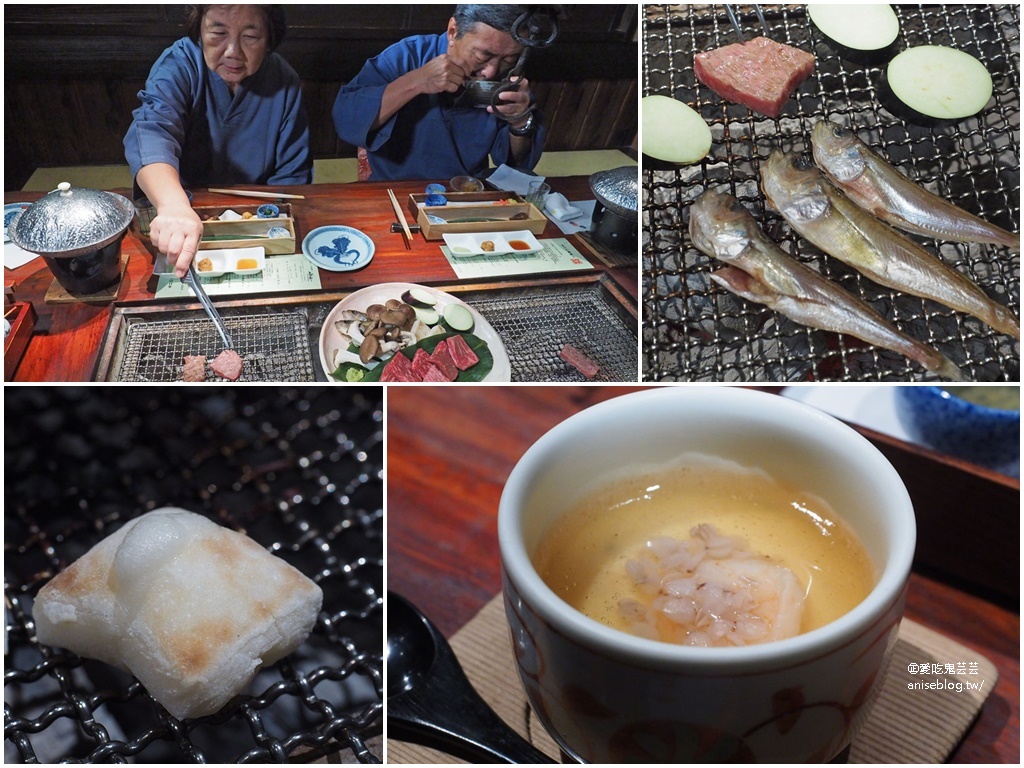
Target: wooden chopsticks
[401, 220]
[250, 193]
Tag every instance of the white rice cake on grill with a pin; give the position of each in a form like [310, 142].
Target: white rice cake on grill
[190, 608]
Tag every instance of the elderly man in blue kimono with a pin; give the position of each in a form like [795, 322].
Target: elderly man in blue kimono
[219, 107]
[403, 107]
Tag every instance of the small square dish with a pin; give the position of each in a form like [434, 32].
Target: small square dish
[238, 261]
[491, 243]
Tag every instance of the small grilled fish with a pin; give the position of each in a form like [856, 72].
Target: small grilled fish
[822, 214]
[877, 187]
[762, 272]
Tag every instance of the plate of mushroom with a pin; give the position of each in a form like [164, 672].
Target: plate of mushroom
[371, 325]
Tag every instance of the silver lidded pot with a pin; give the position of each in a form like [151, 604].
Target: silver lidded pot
[78, 232]
[614, 223]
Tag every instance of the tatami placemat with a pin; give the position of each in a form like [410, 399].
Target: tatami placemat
[907, 724]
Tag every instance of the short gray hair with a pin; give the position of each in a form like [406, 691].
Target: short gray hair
[501, 17]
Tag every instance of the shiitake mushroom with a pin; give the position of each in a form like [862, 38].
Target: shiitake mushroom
[394, 317]
[369, 348]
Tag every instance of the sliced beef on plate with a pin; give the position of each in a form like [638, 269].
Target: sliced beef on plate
[195, 368]
[464, 357]
[421, 364]
[435, 374]
[760, 74]
[227, 365]
[442, 358]
[398, 368]
[579, 361]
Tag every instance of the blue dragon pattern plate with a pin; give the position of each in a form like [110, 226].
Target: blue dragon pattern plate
[337, 248]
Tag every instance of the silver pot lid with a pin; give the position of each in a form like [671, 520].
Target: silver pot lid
[71, 222]
[616, 190]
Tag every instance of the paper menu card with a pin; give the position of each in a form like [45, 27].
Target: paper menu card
[557, 255]
[15, 257]
[281, 273]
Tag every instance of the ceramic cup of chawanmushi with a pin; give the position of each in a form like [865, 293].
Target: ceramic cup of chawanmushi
[704, 574]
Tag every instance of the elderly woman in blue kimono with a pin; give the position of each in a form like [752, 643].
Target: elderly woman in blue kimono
[219, 107]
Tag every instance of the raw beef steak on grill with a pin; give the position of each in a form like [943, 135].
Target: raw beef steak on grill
[579, 361]
[195, 368]
[760, 74]
[227, 365]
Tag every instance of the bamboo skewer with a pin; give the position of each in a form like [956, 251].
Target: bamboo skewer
[401, 220]
[250, 193]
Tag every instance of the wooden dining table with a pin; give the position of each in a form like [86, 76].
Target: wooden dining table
[450, 452]
[67, 337]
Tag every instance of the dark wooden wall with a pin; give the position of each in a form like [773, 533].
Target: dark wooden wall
[72, 73]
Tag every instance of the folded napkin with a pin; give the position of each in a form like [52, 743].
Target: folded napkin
[510, 180]
[556, 204]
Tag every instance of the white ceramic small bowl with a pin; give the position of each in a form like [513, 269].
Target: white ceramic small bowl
[224, 260]
[610, 697]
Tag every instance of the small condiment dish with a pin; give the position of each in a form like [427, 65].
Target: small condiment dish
[238, 261]
[492, 243]
[466, 184]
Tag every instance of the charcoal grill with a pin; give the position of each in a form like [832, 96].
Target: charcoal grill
[694, 330]
[274, 347]
[590, 314]
[300, 470]
[148, 342]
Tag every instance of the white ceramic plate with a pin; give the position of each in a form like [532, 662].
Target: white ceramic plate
[472, 244]
[330, 339]
[338, 248]
[226, 260]
[10, 211]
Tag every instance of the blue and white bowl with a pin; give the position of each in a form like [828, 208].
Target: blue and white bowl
[983, 435]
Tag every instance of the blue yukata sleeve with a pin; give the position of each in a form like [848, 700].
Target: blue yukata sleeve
[157, 132]
[358, 102]
[294, 159]
[500, 148]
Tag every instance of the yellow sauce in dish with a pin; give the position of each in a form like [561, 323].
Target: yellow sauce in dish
[247, 264]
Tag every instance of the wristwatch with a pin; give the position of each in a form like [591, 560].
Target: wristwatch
[526, 130]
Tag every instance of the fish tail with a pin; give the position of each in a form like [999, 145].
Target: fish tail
[942, 366]
[1004, 321]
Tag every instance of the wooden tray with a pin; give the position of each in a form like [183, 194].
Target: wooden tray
[243, 228]
[22, 318]
[535, 221]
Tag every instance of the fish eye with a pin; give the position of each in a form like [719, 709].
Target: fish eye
[840, 132]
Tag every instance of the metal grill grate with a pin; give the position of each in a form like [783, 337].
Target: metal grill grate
[298, 470]
[535, 325]
[695, 331]
[274, 347]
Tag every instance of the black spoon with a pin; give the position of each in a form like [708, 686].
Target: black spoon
[430, 701]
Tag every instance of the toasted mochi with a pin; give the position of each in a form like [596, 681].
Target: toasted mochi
[192, 609]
